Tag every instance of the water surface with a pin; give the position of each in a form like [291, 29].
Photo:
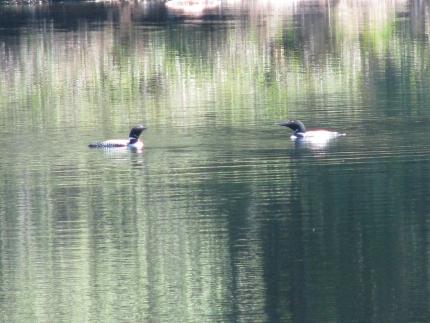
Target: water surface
[221, 218]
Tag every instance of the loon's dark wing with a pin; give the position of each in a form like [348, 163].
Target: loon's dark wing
[114, 143]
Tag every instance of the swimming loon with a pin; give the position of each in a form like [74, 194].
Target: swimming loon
[132, 142]
[301, 134]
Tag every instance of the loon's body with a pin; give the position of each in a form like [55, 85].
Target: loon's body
[132, 142]
[301, 134]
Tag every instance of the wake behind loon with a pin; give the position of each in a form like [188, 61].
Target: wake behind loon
[301, 134]
[132, 142]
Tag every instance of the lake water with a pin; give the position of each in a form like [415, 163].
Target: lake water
[221, 218]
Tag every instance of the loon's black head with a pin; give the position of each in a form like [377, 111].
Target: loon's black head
[295, 125]
[135, 133]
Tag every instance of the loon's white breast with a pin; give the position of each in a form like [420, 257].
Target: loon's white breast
[137, 145]
[316, 135]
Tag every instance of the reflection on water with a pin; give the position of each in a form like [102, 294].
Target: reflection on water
[193, 8]
[221, 217]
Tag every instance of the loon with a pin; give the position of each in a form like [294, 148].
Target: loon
[132, 142]
[317, 135]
